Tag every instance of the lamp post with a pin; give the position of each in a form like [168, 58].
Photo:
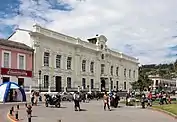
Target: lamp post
[78, 89]
[88, 88]
[166, 87]
[39, 80]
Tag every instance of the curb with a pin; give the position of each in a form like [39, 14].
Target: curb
[11, 118]
[165, 112]
[13, 103]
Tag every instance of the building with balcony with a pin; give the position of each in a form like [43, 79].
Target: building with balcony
[16, 60]
[70, 63]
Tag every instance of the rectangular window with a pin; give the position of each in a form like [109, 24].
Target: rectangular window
[134, 74]
[111, 70]
[58, 61]
[68, 82]
[125, 85]
[83, 65]
[102, 56]
[125, 73]
[69, 59]
[21, 62]
[92, 67]
[92, 83]
[156, 82]
[102, 68]
[46, 58]
[117, 71]
[5, 79]
[6, 60]
[46, 81]
[130, 73]
[83, 83]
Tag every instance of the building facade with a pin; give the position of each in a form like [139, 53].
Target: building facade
[158, 81]
[16, 60]
[61, 61]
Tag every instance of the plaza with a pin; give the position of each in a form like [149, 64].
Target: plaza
[93, 112]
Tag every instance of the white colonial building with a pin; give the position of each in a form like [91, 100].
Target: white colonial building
[67, 62]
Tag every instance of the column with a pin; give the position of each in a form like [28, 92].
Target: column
[97, 71]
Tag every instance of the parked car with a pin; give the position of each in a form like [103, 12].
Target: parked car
[65, 96]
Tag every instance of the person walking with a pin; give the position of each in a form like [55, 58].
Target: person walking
[76, 97]
[150, 99]
[106, 101]
[32, 97]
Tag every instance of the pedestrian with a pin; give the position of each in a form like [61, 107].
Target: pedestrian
[106, 101]
[169, 99]
[76, 97]
[86, 97]
[150, 99]
[165, 98]
[32, 97]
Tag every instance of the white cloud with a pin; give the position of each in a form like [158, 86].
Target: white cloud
[145, 25]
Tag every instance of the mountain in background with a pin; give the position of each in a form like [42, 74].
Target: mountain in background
[167, 71]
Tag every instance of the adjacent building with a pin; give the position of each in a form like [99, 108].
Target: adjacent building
[64, 62]
[16, 60]
[163, 83]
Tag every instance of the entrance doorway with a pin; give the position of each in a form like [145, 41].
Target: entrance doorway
[21, 81]
[103, 85]
[5, 79]
[58, 84]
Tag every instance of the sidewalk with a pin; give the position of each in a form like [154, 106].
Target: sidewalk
[12, 103]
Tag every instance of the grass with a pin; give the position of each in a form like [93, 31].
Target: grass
[172, 108]
[156, 102]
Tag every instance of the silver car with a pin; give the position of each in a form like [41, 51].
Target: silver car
[66, 96]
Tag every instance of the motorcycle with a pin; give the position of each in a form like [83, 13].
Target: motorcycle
[52, 100]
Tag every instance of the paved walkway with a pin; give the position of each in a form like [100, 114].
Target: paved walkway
[93, 112]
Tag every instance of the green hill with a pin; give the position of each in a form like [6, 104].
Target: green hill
[164, 70]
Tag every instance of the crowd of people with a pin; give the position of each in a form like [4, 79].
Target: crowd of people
[148, 97]
[111, 99]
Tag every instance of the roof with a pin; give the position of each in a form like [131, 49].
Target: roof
[13, 44]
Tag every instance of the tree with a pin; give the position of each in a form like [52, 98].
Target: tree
[143, 81]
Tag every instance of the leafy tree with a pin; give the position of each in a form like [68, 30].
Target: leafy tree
[143, 81]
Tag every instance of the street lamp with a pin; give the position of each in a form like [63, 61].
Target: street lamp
[166, 87]
[78, 89]
[39, 80]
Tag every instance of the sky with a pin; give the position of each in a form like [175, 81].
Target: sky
[143, 29]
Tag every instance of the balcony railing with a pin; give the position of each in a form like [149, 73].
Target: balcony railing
[53, 89]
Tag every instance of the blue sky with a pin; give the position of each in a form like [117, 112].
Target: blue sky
[144, 29]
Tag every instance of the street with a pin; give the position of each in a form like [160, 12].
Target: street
[93, 112]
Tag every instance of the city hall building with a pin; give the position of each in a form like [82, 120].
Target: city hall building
[63, 62]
